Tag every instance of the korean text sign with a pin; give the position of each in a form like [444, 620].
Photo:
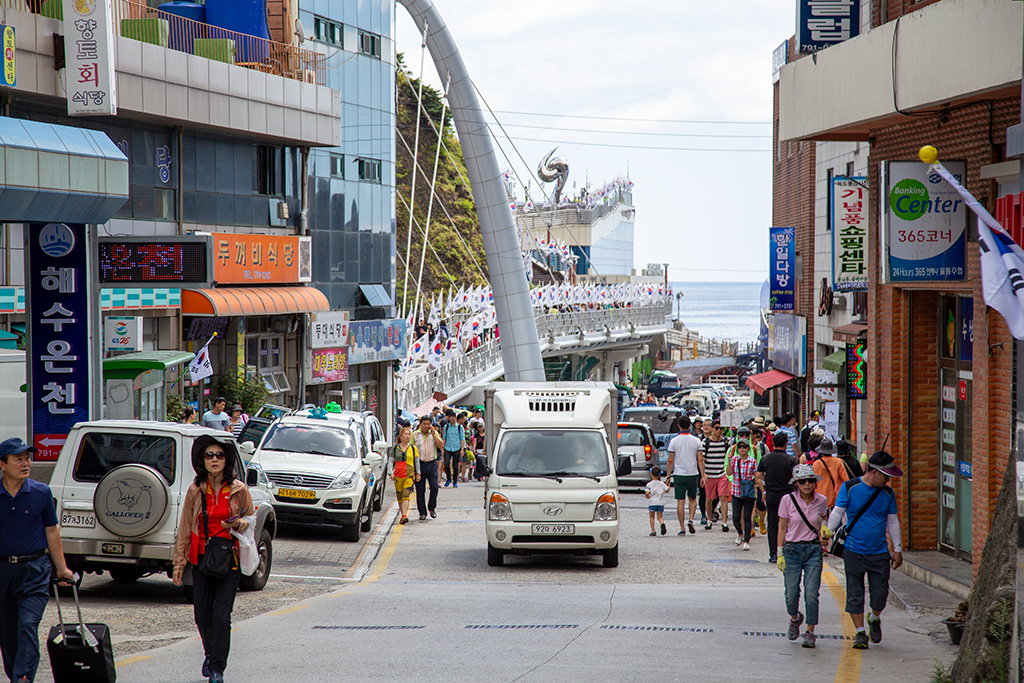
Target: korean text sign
[60, 352]
[328, 330]
[372, 341]
[821, 23]
[926, 223]
[10, 76]
[782, 259]
[260, 259]
[329, 365]
[849, 234]
[89, 55]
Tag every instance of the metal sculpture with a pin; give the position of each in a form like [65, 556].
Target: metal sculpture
[554, 170]
[520, 346]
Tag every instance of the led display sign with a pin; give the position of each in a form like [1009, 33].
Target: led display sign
[857, 370]
[155, 262]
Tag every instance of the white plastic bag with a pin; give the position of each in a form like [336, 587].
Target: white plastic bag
[248, 552]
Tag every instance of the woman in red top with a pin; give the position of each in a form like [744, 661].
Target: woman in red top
[228, 505]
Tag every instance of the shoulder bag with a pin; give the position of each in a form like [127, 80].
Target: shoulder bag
[219, 557]
[838, 545]
[796, 504]
[747, 486]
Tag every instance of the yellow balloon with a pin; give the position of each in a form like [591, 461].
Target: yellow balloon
[929, 154]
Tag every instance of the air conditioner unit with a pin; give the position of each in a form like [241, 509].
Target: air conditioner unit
[282, 210]
[838, 300]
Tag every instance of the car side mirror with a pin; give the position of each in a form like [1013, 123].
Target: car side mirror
[246, 448]
[252, 477]
[625, 466]
[372, 459]
[381, 447]
[660, 444]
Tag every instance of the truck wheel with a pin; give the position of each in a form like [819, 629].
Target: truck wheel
[259, 578]
[350, 532]
[125, 574]
[495, 556]
[611, 556]
[367, 524]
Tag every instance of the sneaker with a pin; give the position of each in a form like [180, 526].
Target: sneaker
[703, 519]
[433, 514]
[455, 485]
[739, 540]
[860, 641]
[874, 628]
[216, 677]
[682, 532]
[763, 526]
[448, 483]
[689, 525]
[746, 546]
[664, 530]
[714, 518]
[725, 527]
[794, 626]
[809, 639]
[707, 527]
[773, 559]
[422, 517]
[206, 668]
[653, 534]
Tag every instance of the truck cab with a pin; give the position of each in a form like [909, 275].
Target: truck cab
[551, 470]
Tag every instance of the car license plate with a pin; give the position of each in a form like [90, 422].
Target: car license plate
[553, 529]
[295, 493]
[85, 520]
[112, 548]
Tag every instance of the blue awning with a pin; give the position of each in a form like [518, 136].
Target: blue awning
[59, 174]
[376, 295]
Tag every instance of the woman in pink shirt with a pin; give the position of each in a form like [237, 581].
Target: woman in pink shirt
[801, 515]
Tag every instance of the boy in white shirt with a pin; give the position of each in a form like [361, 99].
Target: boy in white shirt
[655, 494]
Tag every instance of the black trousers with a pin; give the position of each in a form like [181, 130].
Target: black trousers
[428, 475]
[24, 591]
[772, 500]
[451, 465]
[743, 516]
[213, 599]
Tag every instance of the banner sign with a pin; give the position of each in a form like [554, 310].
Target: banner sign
[926, 223]
[60, 352]
[780, 57]
[260, 259]
[821, 376]
[830, 420]
[122, 333]
[821, 23]
[856, 371]
[789, 345]
[10, 75]
[328, 330]
[782, 256]
[89, 57]
[849, 234]
[329, 365]
[372, 341]
[966, 328]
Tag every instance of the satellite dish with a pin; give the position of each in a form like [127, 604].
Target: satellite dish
[300, 32]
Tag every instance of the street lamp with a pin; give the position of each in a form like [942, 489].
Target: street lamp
[679, 295]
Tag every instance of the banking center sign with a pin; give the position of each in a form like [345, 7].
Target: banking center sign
[925, 223]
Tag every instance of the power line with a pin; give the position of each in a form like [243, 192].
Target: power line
[628, 118]
[663, 149]
[631, 132]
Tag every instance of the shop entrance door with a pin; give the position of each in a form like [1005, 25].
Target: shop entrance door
[956, 343]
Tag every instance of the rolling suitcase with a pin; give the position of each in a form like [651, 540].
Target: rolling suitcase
[80, 653]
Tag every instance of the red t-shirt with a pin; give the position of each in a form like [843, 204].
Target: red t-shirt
[219, 507]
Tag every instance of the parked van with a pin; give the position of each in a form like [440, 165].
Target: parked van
[552, 469]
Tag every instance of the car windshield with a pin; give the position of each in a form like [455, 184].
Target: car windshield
[316, 439]
[548, 452]
[660, 421]
[100, 453]
[632, 436]
[253, 431]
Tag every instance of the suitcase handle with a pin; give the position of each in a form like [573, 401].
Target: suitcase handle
[82, 629]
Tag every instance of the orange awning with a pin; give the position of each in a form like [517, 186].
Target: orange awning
[766, 380]
[226, 302]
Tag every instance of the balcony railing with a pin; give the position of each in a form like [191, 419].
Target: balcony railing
[140, 22]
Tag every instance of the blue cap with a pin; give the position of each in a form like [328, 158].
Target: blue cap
[14, 446]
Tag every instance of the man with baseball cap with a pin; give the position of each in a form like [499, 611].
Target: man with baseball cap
[870, 512]
[28, 530]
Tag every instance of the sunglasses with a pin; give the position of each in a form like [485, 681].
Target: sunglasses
[743, 446]
[214, 455]
[718, 427]
[807, 481]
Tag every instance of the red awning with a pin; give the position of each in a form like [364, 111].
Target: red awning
[766, 380]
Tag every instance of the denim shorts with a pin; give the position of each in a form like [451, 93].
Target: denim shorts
[656, 508]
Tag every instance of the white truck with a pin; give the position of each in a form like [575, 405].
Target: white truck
[551, 469]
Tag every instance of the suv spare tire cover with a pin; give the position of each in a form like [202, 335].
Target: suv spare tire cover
[131, 500]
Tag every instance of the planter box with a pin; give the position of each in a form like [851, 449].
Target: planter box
[153, 31]
[220, 49]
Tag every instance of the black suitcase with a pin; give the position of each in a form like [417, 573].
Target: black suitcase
[80, 653]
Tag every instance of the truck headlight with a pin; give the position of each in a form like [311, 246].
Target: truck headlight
[344, 481]
[606, 509]
[499, 510]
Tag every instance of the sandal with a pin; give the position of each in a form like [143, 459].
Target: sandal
[405, 520]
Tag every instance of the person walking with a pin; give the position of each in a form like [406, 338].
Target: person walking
[742, 468]
[454, 436]
[30, 547]
[188, 416]
[788, 427]
[655, 492]
[831, 471]
[853, 468]
[216, 502]
[427, 442]
[405, 471]
[216, 418]
[477, 441]
[869, 505]
[235, 421]
[717, 485]
[801, 514]
[686, 463]
[773, 475]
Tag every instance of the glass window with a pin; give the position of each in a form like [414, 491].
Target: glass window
[552, 452]
[632, 436]
[100, 453]
[660, 421]
[338, 165]
[318, 440]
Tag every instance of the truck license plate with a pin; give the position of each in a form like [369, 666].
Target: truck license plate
[85, 520]
[553, 529]
[295, 493]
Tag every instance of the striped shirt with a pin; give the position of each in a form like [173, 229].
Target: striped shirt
[425, 445]
[714, 458]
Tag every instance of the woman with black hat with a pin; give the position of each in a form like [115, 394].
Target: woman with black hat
[853, 467]
[216, 503]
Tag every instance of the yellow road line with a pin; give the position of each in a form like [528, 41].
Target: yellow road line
[385, 555]
[848, 670]
[288, 610]
[132, 660]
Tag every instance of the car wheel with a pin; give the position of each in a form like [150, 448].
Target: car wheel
[189, 594]
[495, 556]
[367, 524]
[611, 556]
[259, 578]
[125, 574]
[378, 500]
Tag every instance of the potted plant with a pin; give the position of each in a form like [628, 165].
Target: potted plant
[955, 624]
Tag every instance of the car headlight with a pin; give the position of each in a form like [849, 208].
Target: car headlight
[344, 481]
[606, 509]
[499, 510]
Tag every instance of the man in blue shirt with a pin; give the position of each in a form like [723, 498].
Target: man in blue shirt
[866, 552]
[28, 529]
[454, 443]
[788, 427]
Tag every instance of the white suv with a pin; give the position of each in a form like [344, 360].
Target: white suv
[321, 469]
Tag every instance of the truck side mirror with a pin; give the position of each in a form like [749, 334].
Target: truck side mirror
[482, 469]
[625, 466]
[252, 477]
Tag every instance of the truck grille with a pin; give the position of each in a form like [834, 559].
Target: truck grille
[309, 481]
[553, 402]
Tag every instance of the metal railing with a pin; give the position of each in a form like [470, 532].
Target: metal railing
[541, 219]
[148, 24]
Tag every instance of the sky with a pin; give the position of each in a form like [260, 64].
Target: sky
[695, 71]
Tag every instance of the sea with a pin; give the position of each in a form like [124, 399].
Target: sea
[719, 310]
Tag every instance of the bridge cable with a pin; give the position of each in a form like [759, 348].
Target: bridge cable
[412, 191]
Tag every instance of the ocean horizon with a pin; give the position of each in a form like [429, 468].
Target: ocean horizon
[719, 310]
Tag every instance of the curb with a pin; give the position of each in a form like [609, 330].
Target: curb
[371, 549]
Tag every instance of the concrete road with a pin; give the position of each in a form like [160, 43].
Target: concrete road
[676, 609]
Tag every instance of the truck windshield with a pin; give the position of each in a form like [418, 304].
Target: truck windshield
[553, 451]
[339, 443]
